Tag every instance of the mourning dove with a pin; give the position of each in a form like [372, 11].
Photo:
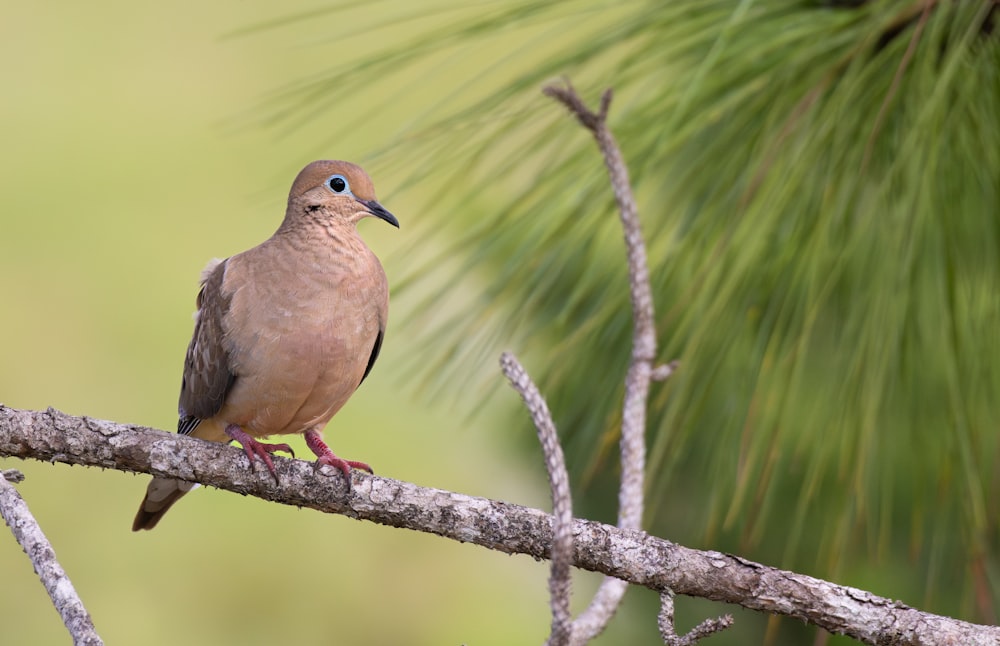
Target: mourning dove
[285, 332]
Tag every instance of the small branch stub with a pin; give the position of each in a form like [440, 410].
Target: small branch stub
[13, 475]
[662, 372]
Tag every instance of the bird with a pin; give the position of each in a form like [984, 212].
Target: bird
[285, 332]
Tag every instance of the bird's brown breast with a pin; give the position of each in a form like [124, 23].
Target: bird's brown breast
[299, 334]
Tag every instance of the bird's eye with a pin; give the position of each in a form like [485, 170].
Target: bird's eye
[338, 184]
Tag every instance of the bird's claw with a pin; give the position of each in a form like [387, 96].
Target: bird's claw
[254, 448]
[325, 456]
[345, 466]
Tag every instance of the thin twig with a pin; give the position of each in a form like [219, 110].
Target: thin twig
[644, 332]
[665, 621]
[637, 379]
[591, 622]
[29, 535]
[562, 502]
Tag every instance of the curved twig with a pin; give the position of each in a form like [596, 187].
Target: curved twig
[562, 500]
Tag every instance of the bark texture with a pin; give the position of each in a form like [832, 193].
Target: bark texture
[631, 555]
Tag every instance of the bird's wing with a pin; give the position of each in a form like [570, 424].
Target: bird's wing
[207, 371]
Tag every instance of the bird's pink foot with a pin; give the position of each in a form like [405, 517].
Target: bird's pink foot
[326, 456]
[254, 448]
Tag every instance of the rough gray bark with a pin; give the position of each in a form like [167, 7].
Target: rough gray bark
[630, 555]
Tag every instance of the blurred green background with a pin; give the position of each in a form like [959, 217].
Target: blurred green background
[128, 162]
[819, 186]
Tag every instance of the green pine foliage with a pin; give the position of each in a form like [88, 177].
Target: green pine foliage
[819, 184]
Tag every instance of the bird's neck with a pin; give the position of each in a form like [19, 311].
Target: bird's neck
[322, 240]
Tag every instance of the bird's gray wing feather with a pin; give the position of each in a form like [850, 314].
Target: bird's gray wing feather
[207, 371]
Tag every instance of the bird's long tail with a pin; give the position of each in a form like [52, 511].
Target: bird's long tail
[161, 494]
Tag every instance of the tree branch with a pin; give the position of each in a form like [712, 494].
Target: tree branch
[630, 555]
[633, 443]
[640, 371]
[29, 535]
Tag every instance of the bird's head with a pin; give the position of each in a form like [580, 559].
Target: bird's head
[335, 189]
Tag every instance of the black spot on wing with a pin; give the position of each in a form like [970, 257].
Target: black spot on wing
[374, 355]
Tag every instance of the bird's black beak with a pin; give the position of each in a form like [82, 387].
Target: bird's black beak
[380, 212]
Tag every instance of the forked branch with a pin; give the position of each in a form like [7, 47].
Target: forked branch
[641, 371]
